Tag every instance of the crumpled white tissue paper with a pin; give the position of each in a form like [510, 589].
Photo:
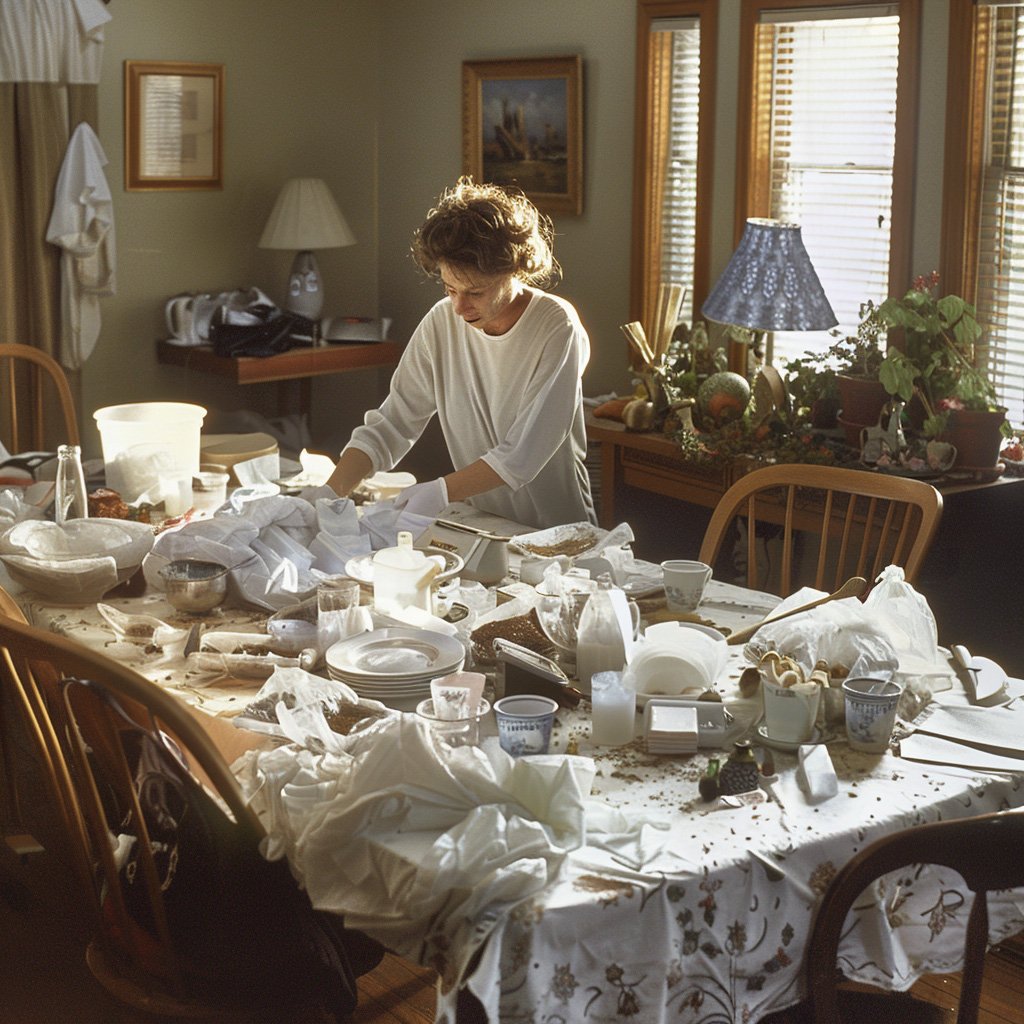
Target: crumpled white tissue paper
[278, 546]
[422, 845]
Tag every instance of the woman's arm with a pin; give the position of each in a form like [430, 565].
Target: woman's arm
[475, 478]
[352, 469]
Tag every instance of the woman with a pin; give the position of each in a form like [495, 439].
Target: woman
[499, 360]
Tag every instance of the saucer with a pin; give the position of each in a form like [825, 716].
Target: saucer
[787, 746]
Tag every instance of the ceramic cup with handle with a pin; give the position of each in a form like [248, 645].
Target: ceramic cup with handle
[685, 582]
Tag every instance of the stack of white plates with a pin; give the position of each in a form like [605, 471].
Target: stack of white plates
[670, 730]
[394, 665]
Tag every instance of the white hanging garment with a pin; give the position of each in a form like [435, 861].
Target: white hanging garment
[52, 40]
[82, 224]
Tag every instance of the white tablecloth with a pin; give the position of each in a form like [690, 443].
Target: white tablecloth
[674, 912]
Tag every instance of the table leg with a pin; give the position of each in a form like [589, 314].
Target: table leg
[609, 485]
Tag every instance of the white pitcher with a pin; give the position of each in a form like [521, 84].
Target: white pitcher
[608, 625]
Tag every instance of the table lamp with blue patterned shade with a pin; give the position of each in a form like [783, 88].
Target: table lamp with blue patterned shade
[768, 285]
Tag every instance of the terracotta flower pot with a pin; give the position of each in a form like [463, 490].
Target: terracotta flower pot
[861, 400]
[977, 435]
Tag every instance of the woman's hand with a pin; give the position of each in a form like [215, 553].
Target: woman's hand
[424, 499]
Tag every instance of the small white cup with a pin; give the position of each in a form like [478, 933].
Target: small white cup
[870, 713]
[613, 710]
[685, 582]
[790, 712]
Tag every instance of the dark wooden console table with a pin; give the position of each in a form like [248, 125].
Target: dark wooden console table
[301, 364]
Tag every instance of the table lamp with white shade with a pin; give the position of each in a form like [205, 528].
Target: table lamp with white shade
[306, 217]
[769, 284]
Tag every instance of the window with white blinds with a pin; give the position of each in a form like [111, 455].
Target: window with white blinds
[828, 108]
[1000, 244]
[680, 73]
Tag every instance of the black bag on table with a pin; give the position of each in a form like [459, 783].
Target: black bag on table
[270, 330]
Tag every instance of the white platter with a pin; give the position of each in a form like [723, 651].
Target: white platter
[557, 536]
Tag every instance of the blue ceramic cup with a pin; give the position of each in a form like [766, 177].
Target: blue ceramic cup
[524, 723]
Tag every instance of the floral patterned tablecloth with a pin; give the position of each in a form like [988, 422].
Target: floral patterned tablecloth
[712, 927]
[701, 916]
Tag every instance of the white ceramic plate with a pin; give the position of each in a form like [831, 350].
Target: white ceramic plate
[671, 630]
[395, 653]
[400, 688]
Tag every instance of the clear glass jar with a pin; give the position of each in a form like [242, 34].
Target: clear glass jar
[70, 500]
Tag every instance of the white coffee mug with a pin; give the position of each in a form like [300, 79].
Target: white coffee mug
[684, 584]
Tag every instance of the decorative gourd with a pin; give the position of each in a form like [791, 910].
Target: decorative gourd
[638, 415]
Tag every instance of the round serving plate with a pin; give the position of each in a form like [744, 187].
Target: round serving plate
[395, 653]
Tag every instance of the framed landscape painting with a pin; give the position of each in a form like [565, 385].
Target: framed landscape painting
[523, 126]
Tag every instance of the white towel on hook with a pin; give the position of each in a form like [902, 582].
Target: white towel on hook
[82, 224]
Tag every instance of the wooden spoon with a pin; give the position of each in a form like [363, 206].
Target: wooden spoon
[853, 587]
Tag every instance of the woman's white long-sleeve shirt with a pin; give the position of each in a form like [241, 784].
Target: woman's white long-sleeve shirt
[514, 400]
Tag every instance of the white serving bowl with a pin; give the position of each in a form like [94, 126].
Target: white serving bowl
[670, 662]
[76, 562]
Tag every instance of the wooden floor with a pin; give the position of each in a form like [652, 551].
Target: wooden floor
[44, 980]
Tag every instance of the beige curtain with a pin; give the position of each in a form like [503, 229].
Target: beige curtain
[36, 122]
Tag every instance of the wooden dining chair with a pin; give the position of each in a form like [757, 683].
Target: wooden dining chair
[36, 403]
[825, 524]
[985, 851]
[188, 919]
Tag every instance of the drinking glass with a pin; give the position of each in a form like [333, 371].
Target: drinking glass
[337, 598]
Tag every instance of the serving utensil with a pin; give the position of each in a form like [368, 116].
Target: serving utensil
[853, 587]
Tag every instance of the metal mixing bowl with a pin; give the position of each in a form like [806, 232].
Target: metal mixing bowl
[193, 585]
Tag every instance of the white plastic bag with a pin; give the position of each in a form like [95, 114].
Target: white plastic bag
[903, 612]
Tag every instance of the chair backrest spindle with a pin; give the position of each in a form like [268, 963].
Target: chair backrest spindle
[860, 521]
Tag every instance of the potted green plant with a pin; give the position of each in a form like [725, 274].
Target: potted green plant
[813, 390]
[934, 359]
[844, 377]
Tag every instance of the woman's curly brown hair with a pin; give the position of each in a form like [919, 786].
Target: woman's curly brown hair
[490, 228]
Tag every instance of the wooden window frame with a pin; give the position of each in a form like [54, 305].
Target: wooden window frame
[646, 249]
[963, 162]
[753, 154]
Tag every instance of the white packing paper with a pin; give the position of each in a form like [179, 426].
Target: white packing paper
[394, 817]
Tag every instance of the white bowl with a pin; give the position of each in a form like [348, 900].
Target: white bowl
[671, 662]
[77, 562]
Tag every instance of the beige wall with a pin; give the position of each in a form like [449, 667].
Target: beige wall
[300, 99]
[366, 94]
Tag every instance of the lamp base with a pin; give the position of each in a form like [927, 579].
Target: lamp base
[305, 293]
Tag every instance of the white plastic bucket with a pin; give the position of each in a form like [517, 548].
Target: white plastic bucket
[145, 440]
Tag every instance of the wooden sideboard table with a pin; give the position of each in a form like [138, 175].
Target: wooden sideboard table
[301, 364]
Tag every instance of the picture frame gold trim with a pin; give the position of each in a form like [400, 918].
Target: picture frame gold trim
[533, 136]
[173, 126]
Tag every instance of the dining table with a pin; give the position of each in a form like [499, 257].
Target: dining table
[594, 883]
